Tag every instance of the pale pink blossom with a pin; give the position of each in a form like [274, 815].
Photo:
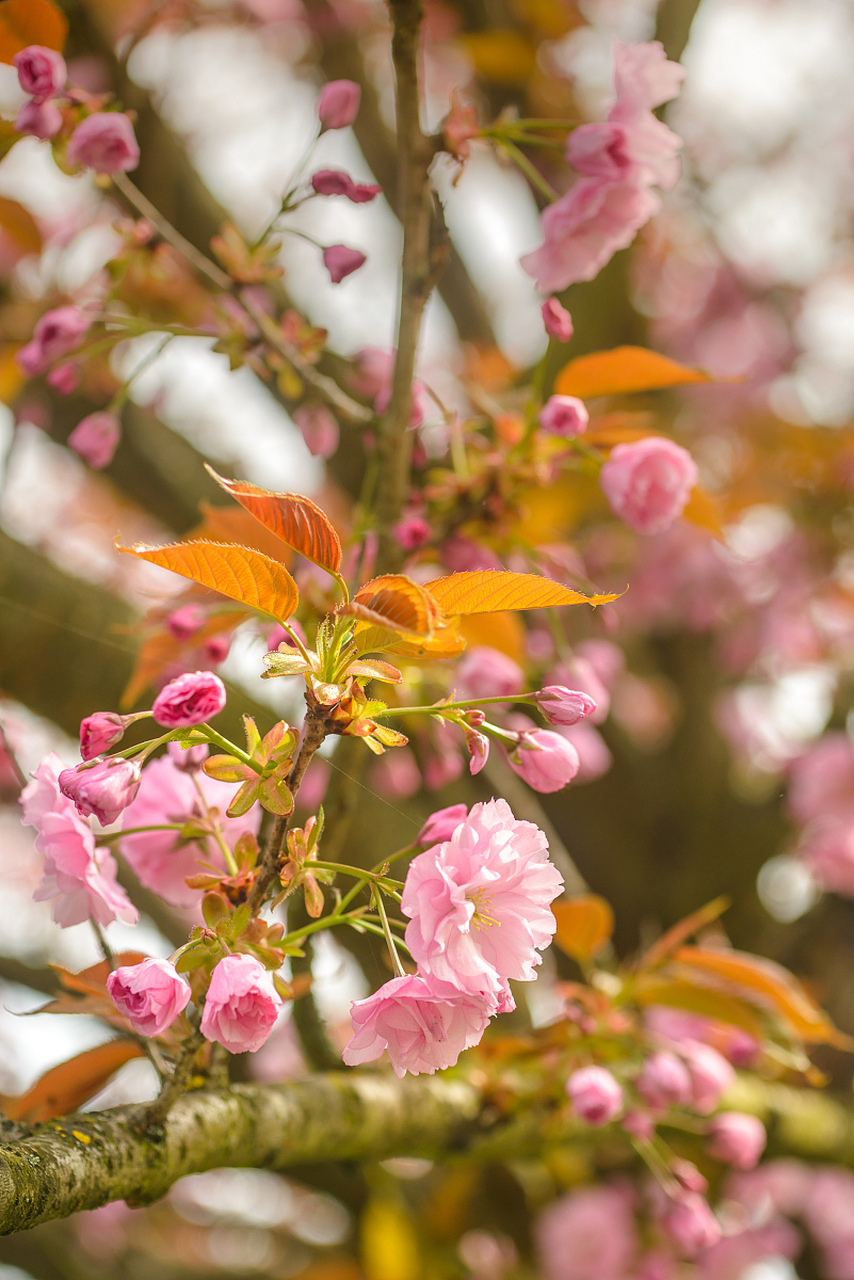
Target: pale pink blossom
[39, 120]
[150, 994]
[335, 182]
[736, 1139]
[41, 72]
[43, 795]
[319, 429]
[589, 1234]
[478, 903]
[557, 320]
[241, 1004]
[484, 672]
[594, 758]
[664, 1081]
[190, 699]
[340, 261]
[79, 878]
[564, 706]
[56, 333]
[99, 732]
[104, 142]
[461, 554]
[102, 790]
[545, 760]
[442, 824]
[711, 1075]
[643, 151]
[338, 104]
[690, 1223]
[163, 859]
[648, 482]
[565, 416]
[644, 78]
[596, 1096]
[605, 658]
[95, 438]
[423, 1023]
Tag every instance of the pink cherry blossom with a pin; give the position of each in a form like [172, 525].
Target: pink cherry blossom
[478, 903]
[644, 152]
[596, 1097]
[664, 1081]
[441, 825]
[150, 994]
[56, 333]
[477, 745]
[644, 78]
[190, 699]
[241, 1005]
[648, 482]
[162, 859]
[564, 706]
[545, 760]
[563, 416]
[39, 120]
[690, 1223]
[102, 790]
[79, 878]
[338, 104]
[737, 1139]
[43, 795]
[711, 1075]
[557, 320]
[424, 1024]
[185, 622]
[99, 732]
[484, 672]
[335, 182]
[589, 1234]
[340, 261]
[828, 851]
[41, 72]
[104, 142]
[319, 429]
[95, 439]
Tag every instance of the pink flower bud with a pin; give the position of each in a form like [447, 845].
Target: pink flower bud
[690, 1223]
[564, 416]
[564, 706]
[241, 1005]
[737, 1139]
[341, 261]
[689, 1176]
[478, 748]
[185, 622]
[189, 699]
[484, 672]
[545, 760]
[335, 182]
[640, 1124]
[99, 732]
[188, 759]
[664, 1081]
[41, 72]
[104, 142]
[441, 825]
[648, 482]
[56, 333]
[411, 532]
[150, 995]
[557, 320]
[711, 1074]
[319, 429]
[102, 790]
[215, 649]
[96, 438]
[338, 104]
[39, 120]
[596, 1097]
[65, 378]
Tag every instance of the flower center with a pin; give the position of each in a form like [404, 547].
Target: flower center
[481, 901]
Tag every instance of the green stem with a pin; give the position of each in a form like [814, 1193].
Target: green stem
[120, 398]
[229, 747]
[440, 708]
[360, 874]
[133, 831]
[399, 970]
[531, 173]
[395, 857]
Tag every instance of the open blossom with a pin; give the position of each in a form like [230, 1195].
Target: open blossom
[41, 72]
[104, 142]
[484, 672]
[340, 261]
[150, 994]
[163, 859]
[545, 760]
[423, 1023]
[648, 482]
[319, 429]
[188, 759]
[563, 416]
[189, 699]
[737, 1139]
[95, 438]
[564, 706]
[596, 1096]
[241, 1004]
[39, 120]
[103, 790]
[99, 732]
[479, 903]
[338, 104]
[56, 333]
[335, 182]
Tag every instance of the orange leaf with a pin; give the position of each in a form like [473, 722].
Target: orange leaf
[237, 572]
[681, 931]
[701, 509]
[20, 225]
[296, 520]
[444, 642]
[66, 1087]
[677, 993]
[161, 651]
[93, 981]
[584, 925]
[394, 601]
[493, 590]
[624, 369]
[233, 524]
[768, 984]
[25, 22]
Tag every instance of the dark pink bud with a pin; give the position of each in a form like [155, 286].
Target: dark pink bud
[441, 825]
[99, 732]
[149, 994]
[41, 72]
[595, 1095]
[188, 759]
[338, 104]
[104, 142]
[564, 706]
[96, 438]
[557, 320]
[56, 333]
[216, 649]
[190, 699]
[411, 532]
[341, 261]
[545, 760]
[335, 182]
[185, 622]
[737, 1139]
[65, 378]
[103, 790]
[39, 120]
[564, 416]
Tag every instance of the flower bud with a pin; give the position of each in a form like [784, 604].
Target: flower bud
[340, 261]
[185, 622]
[564, 706]
[478, 748]
[338, 104]
[711, 1074]
[690, 1223]
[39, 120]
[99, 732]
[189, 699]
[545, 760]
[737, 1139]
[441, 825]
[241, 1005]
[688, 1176]
[95, 439]
[557, 320]
[56, 333]
[319, 429]
[563, 416]
[149, 994]
[335, 182]
[596, 1097]
[104, 142]
[648, 482]
[411, 532]
[664, 1081]
[102, 790]
[41, 72]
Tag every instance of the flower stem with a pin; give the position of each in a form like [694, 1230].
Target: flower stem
[399, 970]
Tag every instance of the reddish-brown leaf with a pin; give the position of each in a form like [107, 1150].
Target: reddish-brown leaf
[584, 925]
[237, 572]
[20, 225]
[295, 519]
[681, 932]
[66, 1087]
[396, 602]
[26, 22]
[494, 590]
[624, 369]
[93, 981]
